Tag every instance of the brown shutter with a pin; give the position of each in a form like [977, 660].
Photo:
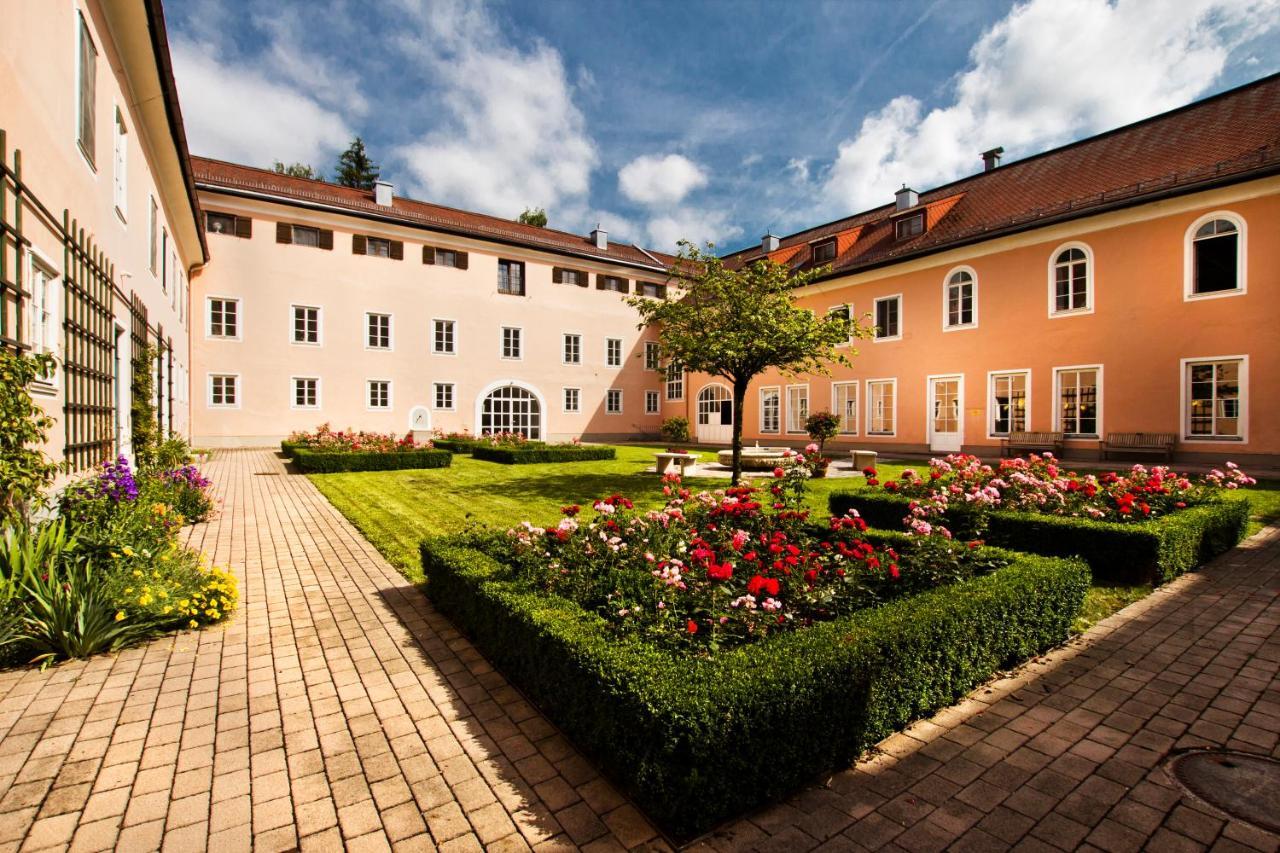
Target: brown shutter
[358, 245]
[397, 250]
[284, 232]
[326, 239]
[584, 278]
[626, 286]
[462, 260]
[428, 255]
[557, 275]
[244, 226]
[600, 277]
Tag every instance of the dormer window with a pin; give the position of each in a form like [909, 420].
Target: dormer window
[909, 226]
[824, 252]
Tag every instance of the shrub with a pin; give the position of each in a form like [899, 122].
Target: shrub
[676, 429]
[454, 445]
[187, 491]
[290, 448]
[323, 462]
[25, 470]
[545, 453]
[173, 452]
[822, 426]
[328, 440]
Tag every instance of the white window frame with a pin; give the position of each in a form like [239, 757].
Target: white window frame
[453, 336]
[892, 382]
[1184, 398]
[564, 400]
[608, 395]
[368, 387]
[153, 225]
[293, 393]
[564, 348]
[786, 415]
[391, 334]
[946, 300]
[666, 386]
[776, 390]
[453, 396]
[209, 377]
[83, 32]
[1189, 258]
[120, 164]
[652, 347]
[839, 410]
[1057, 402]
[652, 402]
[208, 318]
[1090, 275]
[875, 313]
[846, 306]
[293, 325]
[608, 355]
[991, 400]
[518, 338]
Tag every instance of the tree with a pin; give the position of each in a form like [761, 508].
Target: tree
[296, 170]
[738, 323]
[355, 169]
[822, 426]
[535, 216]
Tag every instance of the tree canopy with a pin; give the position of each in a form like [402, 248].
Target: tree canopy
[535, 216]
[296, 170]
[355, 169]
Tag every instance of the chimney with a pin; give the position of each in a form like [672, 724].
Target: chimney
[600, 237]
[769, 243]
[991, 159]
[383, 192]
[906, 198]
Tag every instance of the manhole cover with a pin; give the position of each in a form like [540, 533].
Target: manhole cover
[1242, 785]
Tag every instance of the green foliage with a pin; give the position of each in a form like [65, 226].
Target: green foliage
[314, 462]
[173, 452]
[144, 425]
[676, 429]
[454, 445]
[296, 170]
[822, 426]
[698, 739]
[25, 470]
[535, 216]
[290, 448]
[355, 169]
[548, 453]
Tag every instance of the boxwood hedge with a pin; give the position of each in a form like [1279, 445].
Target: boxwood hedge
[289, 448]
[526, 455]
[696, 740]
[313, 462]
[1155, 551]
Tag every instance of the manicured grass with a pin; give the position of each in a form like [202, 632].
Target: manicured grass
[1101, 601]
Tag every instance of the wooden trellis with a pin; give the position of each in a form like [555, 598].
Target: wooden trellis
[13, 249]
[89, 351]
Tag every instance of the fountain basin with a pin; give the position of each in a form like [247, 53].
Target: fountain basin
[755, 458]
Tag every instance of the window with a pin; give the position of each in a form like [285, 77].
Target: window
[302, 235]
[770, 410]
[152, 224]
[1215, 402]
[889, 318]
[882, 406]
[572, 349]
[960, 308]
[120, 177]
[824, 252]
[909, 226]
[511, 408]
[379, 394]
[613, 352]
[1078, 401]
[164, 259]
[560, 275]
[86, 102]
[510, 342]
[442, 338]
[844, 312]
[651, 355]
[224, 317]
[797, 407]
[378, 331]
[446, 258]
[611, 282]
[306, 325]
[1009, 405]
[224, 391]
[572, 400]
[511, 278]
[219, 223]
[651, 402]
[377, 247]
[651, 290]
[1072, 281]
[306, 392]
[844, 403]
[441, 257]
[613, 402]
[442, 393]
[43, 307]
[1216, 256]
[675, 383]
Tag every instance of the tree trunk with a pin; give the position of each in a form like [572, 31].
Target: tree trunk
[739, 397]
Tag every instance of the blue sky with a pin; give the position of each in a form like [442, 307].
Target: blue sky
[703, 120]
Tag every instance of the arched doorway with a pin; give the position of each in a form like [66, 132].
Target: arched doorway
[715, 415]
[511, 408]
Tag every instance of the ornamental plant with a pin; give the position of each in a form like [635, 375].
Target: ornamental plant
[821, 427]
[676, 429]
[25, 469]
[325, 439]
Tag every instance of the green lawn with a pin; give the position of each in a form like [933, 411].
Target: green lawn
[396, 509]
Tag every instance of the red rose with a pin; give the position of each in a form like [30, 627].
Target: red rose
[778, 472]
[691, 627]
[719, 572]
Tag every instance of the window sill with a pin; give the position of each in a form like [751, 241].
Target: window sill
[885, 340]
[1075, 312]
[965, 327]
[44, 389]
[1213, 294]
[1213, 439]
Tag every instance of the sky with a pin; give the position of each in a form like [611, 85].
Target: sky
[705, 120]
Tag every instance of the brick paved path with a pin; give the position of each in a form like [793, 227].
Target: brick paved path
[337, 709]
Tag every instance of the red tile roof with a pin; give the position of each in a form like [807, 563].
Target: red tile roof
[1230, 137]
[218, 175]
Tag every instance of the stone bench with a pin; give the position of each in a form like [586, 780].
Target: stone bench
[676, 463]
[863, 459]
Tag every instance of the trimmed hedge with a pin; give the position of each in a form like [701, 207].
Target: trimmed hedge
[312, 462]
[1155, 551]
[466, 445]
[696, 740]
[548, 453]
[290, 448]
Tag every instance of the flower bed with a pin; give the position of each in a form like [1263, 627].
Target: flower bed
[329, 441]
[465, 442]
[324, 462]
[534, 453]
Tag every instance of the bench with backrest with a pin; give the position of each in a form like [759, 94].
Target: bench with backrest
[1160, 443]
[1042, 442]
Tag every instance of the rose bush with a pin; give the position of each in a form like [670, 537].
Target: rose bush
[325, 439]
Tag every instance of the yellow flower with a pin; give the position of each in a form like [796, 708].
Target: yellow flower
[194, 624]
[128, 552]
[137, 573]
[128, 590]
[119, 615]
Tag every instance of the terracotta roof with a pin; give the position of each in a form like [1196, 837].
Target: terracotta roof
[1230, 137]
[218, 175]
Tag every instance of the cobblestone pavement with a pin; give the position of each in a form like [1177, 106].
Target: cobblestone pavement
[338, 710]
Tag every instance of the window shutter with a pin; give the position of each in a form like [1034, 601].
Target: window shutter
[462, 260]
[600, 277]
[358, 245]
[584, 278]
[397, 250]
[244, 226]
[326, 239]
[557, 275]
[626, 286]
[284, 232]
[428, 255]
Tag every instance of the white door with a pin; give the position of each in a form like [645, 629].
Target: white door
[946, 429]
[715, 415]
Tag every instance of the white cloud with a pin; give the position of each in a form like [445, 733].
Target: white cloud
[655, 181]
[698, 225]
[1050, 71]
[799, 169]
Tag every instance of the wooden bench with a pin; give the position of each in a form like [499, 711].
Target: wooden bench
[1042, 442]
[1160, 443]
[681, 463]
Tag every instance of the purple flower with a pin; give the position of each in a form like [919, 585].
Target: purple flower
[189, 475]
[116, 481]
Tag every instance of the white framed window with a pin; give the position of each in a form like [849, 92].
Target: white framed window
[164, 259]
[613, 352]
[306, 325]
[86, 94]
[652, 403]
[844, 403]
[42, 310]
[1071, 280]
[572, 348]
[442, 397]
[572, 400]
[224, 390]
[223, 317]
[1214, 260]
[675, 384]
[512, 342]
[882, 406]
[613, 401]
[960, 300]
[378, 393]
[770, 409]
[120, 160]
[306, 392]
[153, 226]
[1215, 400]
[652, 356]
[888, 315]
[824, 251]
[377, 331]
[909, 226]
[443, 337]
[845, 312]
[1078, 390]
[797, 407]
[1008, 402]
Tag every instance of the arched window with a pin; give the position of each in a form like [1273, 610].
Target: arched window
[960, 300]
[511, 408]
[1071, 281]
[1215, 256]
